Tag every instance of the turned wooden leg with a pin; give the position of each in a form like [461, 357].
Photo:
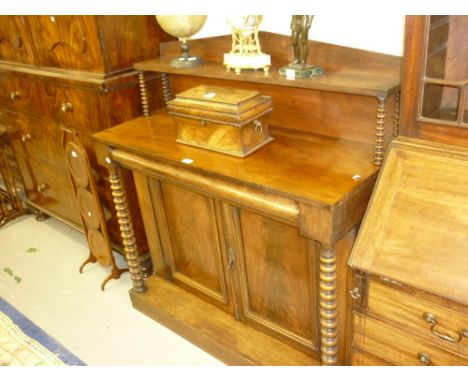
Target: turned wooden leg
[328, 307]
[143, 93]
[126, 230]
[396, 115]
[380, 131]
[167, 94]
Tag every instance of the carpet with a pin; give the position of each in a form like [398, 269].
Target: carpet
[22, 343]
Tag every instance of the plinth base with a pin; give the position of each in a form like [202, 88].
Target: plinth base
[239, 61]
[292, 71]
[214, 330]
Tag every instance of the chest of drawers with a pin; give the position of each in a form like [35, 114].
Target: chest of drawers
[410, 262]
[75, 73]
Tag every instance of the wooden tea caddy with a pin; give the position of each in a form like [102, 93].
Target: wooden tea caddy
[228, 120]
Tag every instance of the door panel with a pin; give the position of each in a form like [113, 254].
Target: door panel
[193, 243]
[278, 279]
[68, 42]
[14, 40]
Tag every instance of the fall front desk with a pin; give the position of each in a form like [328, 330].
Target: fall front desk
[249, 254]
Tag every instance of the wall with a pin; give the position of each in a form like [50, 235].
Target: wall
[379, 34]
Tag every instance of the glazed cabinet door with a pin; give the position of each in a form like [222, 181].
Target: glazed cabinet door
[192, 242]
[14, 40]
[67, 42]
[276, 269]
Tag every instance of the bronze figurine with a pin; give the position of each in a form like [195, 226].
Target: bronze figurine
[298, 68]
[300, 25]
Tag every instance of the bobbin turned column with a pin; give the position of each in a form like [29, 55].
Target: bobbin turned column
[328, 306]
[380, 131]
[135, 268]
[143, 93]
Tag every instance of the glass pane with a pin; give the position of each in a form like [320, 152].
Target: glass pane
[447, 49]
[440, 102]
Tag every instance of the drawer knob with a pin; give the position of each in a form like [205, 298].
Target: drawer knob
[25, 138]
[42, 187]
[451, 337]
[424, 359]
[15, 94]
[66, 107]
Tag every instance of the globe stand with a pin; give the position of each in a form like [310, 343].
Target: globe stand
[185, 61]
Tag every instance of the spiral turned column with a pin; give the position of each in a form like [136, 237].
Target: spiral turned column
[143, 93]
[167, 94]
[328, 307]
[380, 131]
[127, 233]
[396, 115]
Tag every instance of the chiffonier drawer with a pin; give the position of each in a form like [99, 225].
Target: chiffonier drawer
[76, 107]
[395, 345]
[440, 325]
[49, 187]
[37, 138]
[20, 93]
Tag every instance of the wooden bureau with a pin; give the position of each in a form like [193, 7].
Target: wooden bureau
[71, 73]
[410, 263]
[250, 253]
[409, 260]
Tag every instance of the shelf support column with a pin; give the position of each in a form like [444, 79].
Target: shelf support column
[143, 93]
[126, 228]
[166, 87]
[380, 131]
[396, 115]
[328, 306]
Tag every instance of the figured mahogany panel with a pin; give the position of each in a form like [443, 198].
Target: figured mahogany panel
[278, 273]
[128, 39]
[69, 42]
[14, 40]
[194, 246]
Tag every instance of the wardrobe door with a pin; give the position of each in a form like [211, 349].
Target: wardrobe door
[67, 42]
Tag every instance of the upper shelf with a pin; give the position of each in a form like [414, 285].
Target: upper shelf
[347, 70]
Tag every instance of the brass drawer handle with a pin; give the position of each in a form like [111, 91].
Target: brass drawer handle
[42, 187]
[26, 138]
[15, 94]
[258, 127]
[355, 293]
[424, 358]
[66, 107]
[432, 319]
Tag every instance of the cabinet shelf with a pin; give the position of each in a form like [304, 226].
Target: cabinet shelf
[344, 80]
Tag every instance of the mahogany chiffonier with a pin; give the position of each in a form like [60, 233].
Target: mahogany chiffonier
[410, 261]
[75, 73]
[250, 254]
